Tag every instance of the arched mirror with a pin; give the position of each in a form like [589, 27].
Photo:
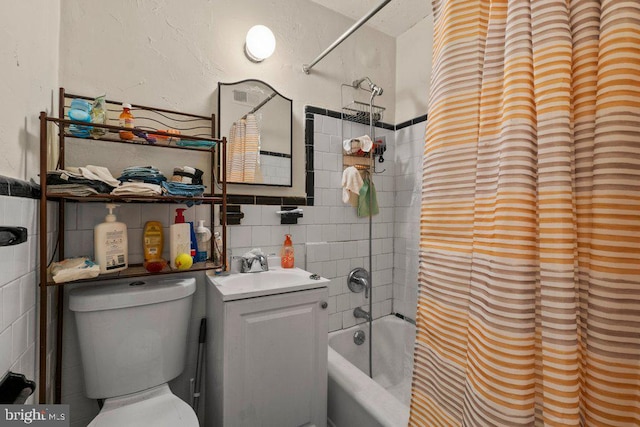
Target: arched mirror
[257, 122]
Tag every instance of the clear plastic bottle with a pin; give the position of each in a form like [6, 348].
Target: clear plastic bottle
[80, 111]
[99, 116]
[126, 121]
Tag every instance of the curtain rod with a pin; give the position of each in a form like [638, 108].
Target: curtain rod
[307, 67]
[259, 106]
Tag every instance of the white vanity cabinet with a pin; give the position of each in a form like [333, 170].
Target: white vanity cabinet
[266, 353]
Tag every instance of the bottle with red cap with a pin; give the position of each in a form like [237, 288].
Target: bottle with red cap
[179, 238]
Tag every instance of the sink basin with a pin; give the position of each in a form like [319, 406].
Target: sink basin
[276, 281]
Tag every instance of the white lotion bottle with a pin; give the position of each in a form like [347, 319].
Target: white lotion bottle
[179, 238]
[203, 236]
[110, 243]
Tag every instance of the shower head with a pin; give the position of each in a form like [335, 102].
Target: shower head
[373, 88]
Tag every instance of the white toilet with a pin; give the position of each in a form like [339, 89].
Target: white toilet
[133, 340]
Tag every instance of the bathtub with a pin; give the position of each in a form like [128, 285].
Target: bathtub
[354, 399]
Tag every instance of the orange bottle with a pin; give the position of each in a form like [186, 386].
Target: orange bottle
[286, 254]
[126, 121]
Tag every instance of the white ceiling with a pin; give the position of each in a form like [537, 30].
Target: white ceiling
[393, 19]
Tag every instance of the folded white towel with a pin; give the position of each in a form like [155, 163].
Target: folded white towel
[95, 173]
[361, 143]
[351, 184]
[101, 173]
[137, 189]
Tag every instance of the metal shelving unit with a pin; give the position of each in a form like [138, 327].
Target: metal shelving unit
[192, 127]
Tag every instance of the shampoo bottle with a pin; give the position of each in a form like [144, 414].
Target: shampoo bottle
[153, 240]
[179, 238]
[286, 255]
[110, 243]
[203, 236]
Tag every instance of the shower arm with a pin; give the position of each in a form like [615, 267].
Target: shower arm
[373, 88]
[307, 67]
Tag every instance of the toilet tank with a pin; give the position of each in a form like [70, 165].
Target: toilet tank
[132, 334]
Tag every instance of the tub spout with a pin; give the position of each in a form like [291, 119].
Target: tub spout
[359, 313]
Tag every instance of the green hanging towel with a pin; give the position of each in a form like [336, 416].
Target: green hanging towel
[364, 208]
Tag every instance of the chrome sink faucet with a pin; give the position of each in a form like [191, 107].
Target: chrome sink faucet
[359, 313]
[254, 264]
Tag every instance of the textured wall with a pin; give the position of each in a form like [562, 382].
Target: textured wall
[165, 54]
[413, 70]
[28, 79]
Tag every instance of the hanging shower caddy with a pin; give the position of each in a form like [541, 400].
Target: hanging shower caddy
[355, 122]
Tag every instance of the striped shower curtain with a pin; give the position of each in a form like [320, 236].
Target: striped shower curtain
[243, 158]
[529, 284]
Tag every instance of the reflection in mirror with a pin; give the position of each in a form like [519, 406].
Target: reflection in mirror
[256, 120]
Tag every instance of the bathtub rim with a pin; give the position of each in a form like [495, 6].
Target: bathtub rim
[388, 411]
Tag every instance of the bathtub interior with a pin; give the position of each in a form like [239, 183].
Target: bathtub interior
[393, 341]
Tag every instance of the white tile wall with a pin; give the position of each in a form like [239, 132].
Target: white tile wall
[275, 170]
[19, 293]
[395, 242]
[81, 218]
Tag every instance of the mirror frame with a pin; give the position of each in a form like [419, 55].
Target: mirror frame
[219, 128]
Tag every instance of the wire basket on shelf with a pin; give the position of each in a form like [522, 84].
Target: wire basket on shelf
[358, 112]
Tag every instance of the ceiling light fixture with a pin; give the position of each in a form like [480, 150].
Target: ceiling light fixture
[259, 44]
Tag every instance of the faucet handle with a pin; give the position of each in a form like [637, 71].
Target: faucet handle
[264, 262]
[358, 281]
[246, 264]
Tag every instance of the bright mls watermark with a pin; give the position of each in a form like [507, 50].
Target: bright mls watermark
[34, 415]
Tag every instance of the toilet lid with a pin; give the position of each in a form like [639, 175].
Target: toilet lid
[157, 407]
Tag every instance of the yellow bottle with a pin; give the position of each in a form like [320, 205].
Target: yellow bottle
[153, 240]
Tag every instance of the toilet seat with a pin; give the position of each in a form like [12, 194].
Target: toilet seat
[156, 407]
